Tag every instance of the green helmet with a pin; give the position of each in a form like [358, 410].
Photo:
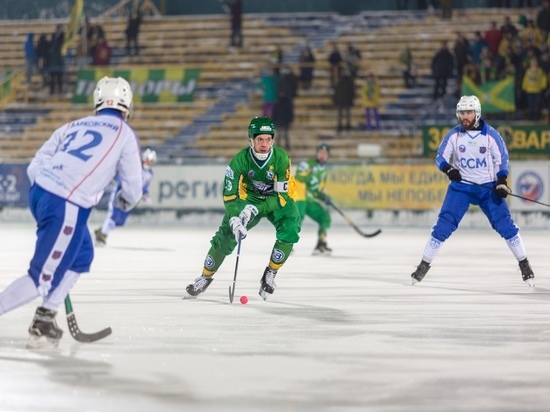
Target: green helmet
[323, 146]
[260, 125]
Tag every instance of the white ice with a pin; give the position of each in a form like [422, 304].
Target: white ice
[340, 333]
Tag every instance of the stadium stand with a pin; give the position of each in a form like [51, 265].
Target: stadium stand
[214, 124]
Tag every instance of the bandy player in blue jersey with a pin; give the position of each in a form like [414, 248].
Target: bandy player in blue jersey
[68, 175]
[117, 217]
[474, 152]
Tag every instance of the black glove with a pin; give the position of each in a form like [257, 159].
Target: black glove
[502, 188]
[452, 173]
[325, 198]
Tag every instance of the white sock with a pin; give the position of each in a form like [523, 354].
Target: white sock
[108, 225]
[431, 249]
[56, 298]
[21, 291]
[517, 247]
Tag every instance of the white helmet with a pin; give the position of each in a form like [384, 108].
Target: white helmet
[469, 103]
[148, 157]
[113, 93]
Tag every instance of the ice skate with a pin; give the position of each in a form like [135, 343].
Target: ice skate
[44, 332]
[100, 238]
[527, 273]
[322, 249]
[267, 283]
[200, 285]
[420, 272]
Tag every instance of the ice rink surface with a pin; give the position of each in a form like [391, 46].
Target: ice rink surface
[341, 333]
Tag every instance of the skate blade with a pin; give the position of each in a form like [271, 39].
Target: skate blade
[530, 283]
[318, 253]
[414, 281]
[263, 294]
[187, 296]
[41, 342]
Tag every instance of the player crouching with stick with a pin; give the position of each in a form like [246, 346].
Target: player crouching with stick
[255, 187]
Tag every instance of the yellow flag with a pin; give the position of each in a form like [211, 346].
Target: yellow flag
[74, 24]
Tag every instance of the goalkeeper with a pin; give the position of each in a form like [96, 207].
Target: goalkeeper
[256, 186]
[311, 198]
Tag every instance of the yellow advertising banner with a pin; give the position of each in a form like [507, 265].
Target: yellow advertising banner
[402, 187]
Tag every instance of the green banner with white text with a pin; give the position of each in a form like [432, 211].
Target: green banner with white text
[148, 85]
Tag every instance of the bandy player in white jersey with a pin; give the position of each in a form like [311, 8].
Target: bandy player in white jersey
[474, 157]
[68, 176]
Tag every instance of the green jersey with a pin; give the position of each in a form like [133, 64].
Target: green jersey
[311, 177]
[262, 184]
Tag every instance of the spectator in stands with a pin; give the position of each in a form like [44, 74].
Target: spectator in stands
[334, 59]
[148, 8]
[344, 95]
[94, 32]
[531, 34]
[42, 49]
[82, 53]
[545, 62]
[477, 45]
[509, 41]
[471, 71]
[56, 63]
[446, 9]
[283, 112]
[30, 57]
[508, 27]
[461, 52]
[59, 35]
[268, 84]
[522, 21]
[442, 68]
[132, 30]
[307, 62]
[407, 64]
[493, 36]
[370, 97]
[277, 58]
[487, 69]
[352, 58]
[543, 19]
[103, 52]
[236, 12]
[545, 65]
[534, 84]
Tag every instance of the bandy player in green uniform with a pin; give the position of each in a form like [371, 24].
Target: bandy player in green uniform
[256, 186]
[311, 199]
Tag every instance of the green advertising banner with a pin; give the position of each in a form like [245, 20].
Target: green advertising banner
[149, 85]
[523, 141]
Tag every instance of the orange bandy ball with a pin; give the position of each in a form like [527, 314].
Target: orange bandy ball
[244, 300]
